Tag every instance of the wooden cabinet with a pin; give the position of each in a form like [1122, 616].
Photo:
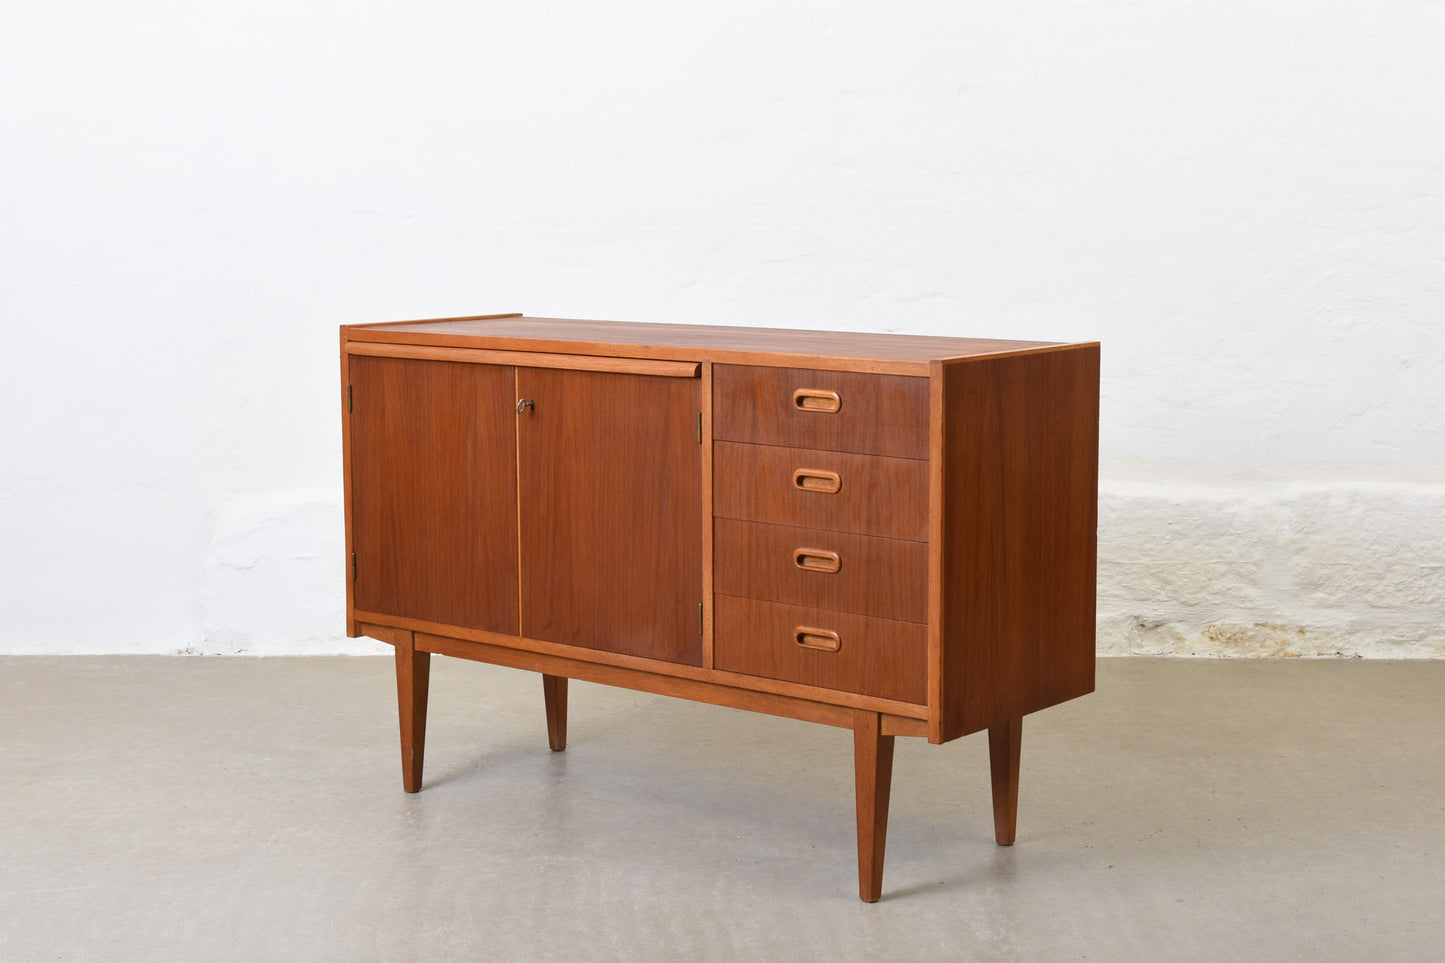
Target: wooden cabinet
[889, 534]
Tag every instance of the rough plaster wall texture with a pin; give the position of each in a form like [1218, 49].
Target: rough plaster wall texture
[1304, 570]
[1242, 201]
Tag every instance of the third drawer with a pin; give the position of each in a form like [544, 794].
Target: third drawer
[882, 577]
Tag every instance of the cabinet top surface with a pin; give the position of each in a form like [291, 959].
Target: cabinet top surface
[904, 353]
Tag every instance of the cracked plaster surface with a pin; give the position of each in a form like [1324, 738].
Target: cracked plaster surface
[1303, 571]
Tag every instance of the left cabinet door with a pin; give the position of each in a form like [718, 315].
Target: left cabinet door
[434, 491]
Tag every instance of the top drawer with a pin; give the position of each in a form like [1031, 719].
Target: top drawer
[832, 410]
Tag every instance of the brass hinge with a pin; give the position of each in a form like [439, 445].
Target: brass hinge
[699, 427]
[353, 566]
[699, 618]
[348, 398]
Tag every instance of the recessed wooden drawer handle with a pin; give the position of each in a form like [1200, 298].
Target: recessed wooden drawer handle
[813, 480]
[814, 399]
[816, 560]
[820, 639]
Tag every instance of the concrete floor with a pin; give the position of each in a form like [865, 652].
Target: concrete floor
[238, 809]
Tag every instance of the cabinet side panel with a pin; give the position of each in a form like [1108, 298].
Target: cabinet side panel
[352, 629]
[611, 509]
[433, 488]
[1018, 553]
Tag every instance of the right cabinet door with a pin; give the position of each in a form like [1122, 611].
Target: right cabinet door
[610, 501]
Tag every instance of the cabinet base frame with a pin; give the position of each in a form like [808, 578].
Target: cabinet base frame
[873, 732]
[500, 650]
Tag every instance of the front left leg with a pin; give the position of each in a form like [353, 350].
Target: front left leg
[554, 693]
[413, 672]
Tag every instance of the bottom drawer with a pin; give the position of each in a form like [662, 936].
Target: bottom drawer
[835, 650]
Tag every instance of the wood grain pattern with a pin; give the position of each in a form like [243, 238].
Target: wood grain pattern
[813, 399]
[877, 414]
[819, 560]
[935, 553]
[381, 633]
[738, 344]
[708, 569]
[878, 496]
[824, 640]
[817, 481]
[433, 503]
[463, 317]
[554, 694]
[904, 726]
[696, 690]
[873, 782]
[1004, 741]
[373, 622]
[890, 534]
[611, 512]
[352, 629]
[1019, 507]
[885, 578]
[877, 657]
[530, 359]
[413, 674]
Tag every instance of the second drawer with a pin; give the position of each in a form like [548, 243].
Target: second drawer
[883, 577]
[862, 494]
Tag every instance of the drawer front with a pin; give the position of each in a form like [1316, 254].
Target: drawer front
[861, 494]
[883, 577]
[833, 650]
[833, 410]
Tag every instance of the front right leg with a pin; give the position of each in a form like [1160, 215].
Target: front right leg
[873, 779]
[1003, 764]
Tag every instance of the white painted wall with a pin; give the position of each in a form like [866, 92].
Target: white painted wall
[1242, 201]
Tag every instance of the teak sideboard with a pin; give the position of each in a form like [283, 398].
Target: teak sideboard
[886, 533]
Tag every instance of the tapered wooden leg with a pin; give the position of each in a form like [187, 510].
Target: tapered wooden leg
[554, 691]
[413, 670]
[1003, 764]
[873, 775]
